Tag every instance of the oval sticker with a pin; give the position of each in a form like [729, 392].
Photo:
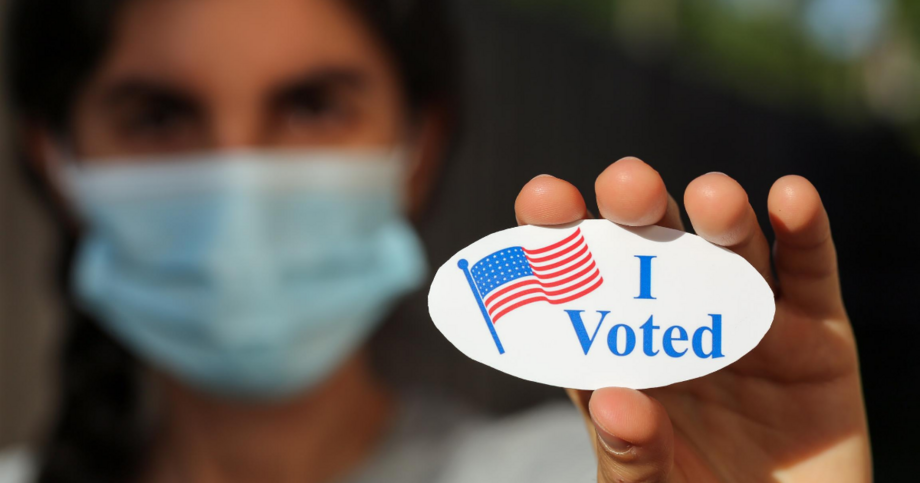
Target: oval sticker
[594, 304]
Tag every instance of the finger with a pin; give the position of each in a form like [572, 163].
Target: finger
[546, 200]
[629, 192]
[719, 211]
[634, 437]
[804, 253]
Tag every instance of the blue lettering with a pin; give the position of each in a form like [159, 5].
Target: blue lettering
[648, 329]
[645, 277]
[667, 343]
[623, 347]
[581, 332]
[630, 340]
[716, 331]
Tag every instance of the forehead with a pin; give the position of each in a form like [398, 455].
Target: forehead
[225, 41]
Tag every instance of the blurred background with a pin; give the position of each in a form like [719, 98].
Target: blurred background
[829, 89]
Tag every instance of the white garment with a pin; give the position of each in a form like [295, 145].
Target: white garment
[17, 465]
[442, 443]
[546, 445]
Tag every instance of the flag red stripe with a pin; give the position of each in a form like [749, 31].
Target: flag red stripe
[558, 254]
[513, 286]
[554, 245]
[541, 298]
[548, 293]
[520, 304]
[543, 284]
[566, 270]
[584, 249]
[573, 277]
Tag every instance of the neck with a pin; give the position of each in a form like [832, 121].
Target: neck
[312, 438]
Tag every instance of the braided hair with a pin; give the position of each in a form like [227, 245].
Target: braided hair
[100, 433]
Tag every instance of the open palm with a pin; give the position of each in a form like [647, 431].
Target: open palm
[789, 411]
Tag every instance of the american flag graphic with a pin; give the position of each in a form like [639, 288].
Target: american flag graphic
[514, 277]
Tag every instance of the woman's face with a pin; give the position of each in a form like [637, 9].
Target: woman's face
[195, 75]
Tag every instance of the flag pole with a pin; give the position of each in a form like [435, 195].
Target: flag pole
[464, 265]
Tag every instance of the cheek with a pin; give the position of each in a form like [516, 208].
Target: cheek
[90, 135]
[391, 116]
[382, 118]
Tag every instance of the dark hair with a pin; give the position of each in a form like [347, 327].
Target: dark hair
[52, 46]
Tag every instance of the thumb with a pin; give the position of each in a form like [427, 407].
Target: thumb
[635, 440]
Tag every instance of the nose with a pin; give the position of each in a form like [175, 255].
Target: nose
[237, 125]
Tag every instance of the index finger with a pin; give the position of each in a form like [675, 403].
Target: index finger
[547, 201]
[632, 193]
[629, 192]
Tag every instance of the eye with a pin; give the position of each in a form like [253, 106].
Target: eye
[311, 103]
[150, 115]
[314, 109]
[157, 120]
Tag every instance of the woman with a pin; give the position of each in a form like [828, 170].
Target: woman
[236, 176]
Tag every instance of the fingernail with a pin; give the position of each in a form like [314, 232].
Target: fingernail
[612, 443]
[542, 176]
[717, 172]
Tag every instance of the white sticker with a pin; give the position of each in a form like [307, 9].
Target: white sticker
[594, 304]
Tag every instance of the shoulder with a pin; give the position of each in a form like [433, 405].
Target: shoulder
[545, 444]
[17, 465]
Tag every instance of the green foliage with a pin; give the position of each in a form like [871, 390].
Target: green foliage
[765, 51]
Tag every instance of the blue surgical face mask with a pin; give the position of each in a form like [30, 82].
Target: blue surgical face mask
[248, 274]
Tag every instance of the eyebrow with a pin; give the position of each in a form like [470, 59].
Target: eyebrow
[135, 89]
[164, 93]
[321, 80]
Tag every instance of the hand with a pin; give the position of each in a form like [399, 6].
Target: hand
[789, 411]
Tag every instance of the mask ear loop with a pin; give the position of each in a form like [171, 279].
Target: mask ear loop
[58, 159]
[409, 163]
